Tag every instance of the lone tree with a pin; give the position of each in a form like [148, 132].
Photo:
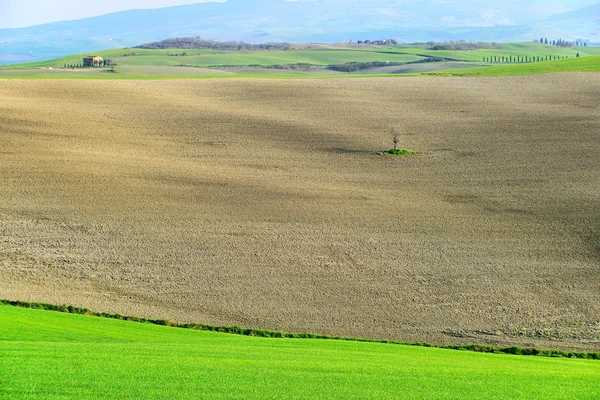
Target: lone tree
[395, 138]
[397, 151]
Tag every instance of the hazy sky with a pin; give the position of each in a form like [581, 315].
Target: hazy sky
[20, 13]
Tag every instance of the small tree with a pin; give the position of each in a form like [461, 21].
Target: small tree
[577, 55]
[395, 139]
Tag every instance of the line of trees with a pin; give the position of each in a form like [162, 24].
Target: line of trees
[378, 42]
[564, 43]
[522, 59]
[198, 43]
[105, 63]
[463, 45]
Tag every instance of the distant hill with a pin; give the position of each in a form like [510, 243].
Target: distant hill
[300, 21]
[584, 22]
[199, 43]
[590, 14]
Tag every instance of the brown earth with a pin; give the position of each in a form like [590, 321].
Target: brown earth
[262, 203]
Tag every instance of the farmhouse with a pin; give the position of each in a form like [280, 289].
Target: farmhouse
[92, 61]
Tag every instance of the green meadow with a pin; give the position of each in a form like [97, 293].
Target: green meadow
[51, 355]
[505, 49]
[582, 64]
[405, 59]
[209, 58]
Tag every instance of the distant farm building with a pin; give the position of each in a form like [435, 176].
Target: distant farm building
[93, 61]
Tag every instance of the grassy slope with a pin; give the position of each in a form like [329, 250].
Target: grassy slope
[318, 57]
[509, 49]
[212, 58]
[582, 64]
[134, 63]
[52, 355]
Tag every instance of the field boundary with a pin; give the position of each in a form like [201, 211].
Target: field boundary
[236, 330]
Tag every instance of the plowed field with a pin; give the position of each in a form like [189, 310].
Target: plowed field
[262, 203]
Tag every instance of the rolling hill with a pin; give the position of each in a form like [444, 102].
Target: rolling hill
[299, 21]
[52, 355]
[310, 60]
[583, 64]
[262, 203]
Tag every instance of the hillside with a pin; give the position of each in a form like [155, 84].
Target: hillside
[49, 355]
[583, 64]
[581, 22]
[262, 203]
[590, 14]
[297, 21]
[306, 60]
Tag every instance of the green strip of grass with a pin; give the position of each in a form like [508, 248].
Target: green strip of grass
[399, 152]
[53, 355]
[236, 330]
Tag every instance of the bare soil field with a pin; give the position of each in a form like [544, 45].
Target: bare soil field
[262, 203]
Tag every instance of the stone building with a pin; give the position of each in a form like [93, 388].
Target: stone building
[93, 61]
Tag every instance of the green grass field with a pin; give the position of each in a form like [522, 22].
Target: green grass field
[204, 58]
[508, 49]
[45, 354]
[185, 63]
[582, 64]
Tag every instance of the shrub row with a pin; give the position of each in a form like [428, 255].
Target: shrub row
[357, 66]
[199, 43]
[236, 330]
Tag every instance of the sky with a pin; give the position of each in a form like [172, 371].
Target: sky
[21, 13]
